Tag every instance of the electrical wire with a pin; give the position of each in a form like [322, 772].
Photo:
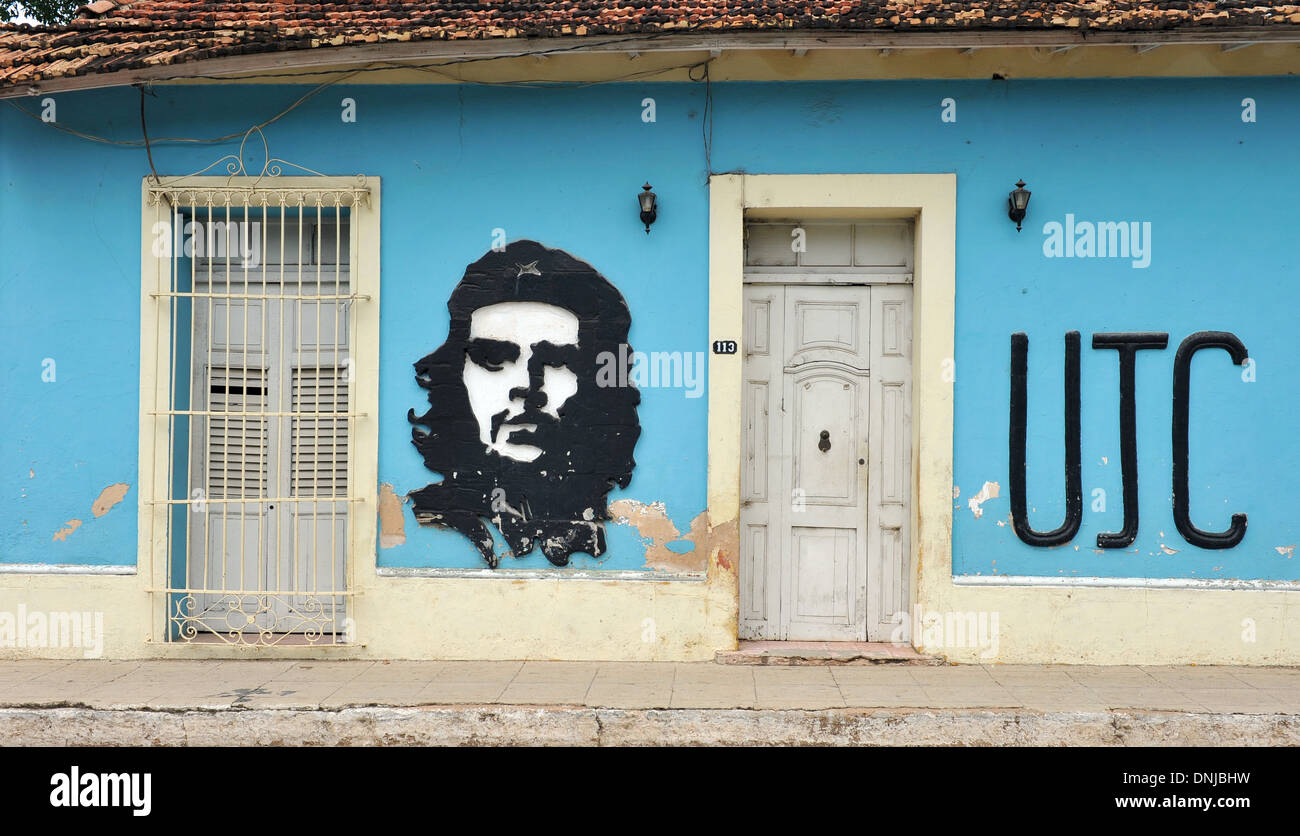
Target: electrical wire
[706, 122]
[535, 84]
[139, 143]
[382, 67]
[144, 131]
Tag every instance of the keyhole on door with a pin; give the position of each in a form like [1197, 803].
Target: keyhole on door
[825, 443]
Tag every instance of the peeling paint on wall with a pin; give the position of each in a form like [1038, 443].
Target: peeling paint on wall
[69, 527]
[658, 532]
[108, 498]
[989, 491]
[1285, 551]
[392, 523]
[724, 544]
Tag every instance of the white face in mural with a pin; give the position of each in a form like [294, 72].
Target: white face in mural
[516, 372]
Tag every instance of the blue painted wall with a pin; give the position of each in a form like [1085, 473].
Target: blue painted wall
[563, 166]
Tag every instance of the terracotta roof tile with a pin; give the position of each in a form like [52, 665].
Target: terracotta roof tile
[132, 35]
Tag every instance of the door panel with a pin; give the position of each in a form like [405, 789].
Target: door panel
[826, 402]
[763, 492]
[890, 490]
[827, 323]
[894, 442]
[757, 454]
[230, 455]
[319, 536]
[822, 575]
[318, 472]
[753, 593]
[237, 324]
[234, 536]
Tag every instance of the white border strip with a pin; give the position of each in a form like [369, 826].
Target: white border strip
[537, 574]
[1121, 583]
[64, 569]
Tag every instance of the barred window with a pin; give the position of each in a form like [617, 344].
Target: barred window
[254, 406]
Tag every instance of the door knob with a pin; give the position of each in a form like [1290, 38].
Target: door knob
[825, 443]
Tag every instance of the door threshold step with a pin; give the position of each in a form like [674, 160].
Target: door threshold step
[823, 653]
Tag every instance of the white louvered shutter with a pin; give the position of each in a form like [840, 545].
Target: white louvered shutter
[319, 464]
[237, 445]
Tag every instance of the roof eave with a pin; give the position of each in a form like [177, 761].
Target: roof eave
[413, 51]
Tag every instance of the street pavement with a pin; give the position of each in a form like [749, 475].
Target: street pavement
[258, 701]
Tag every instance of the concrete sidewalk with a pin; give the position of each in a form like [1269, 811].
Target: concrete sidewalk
[521, 703]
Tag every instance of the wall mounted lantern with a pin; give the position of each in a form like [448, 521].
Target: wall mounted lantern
[648, 209]
[1017, 202]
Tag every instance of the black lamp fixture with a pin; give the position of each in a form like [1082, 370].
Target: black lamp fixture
[1017, 203]
[649, 212]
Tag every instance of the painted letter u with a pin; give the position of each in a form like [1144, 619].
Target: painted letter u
[1019, 409]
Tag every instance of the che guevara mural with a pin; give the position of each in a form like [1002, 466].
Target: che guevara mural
[525, 436]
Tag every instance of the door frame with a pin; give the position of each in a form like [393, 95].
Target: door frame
[930, 200]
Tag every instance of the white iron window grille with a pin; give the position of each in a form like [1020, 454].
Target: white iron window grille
[253, 421]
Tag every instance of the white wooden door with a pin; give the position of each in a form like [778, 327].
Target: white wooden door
[825, 461]
[268, 545]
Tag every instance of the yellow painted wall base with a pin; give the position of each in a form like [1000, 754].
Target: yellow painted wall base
[445, 618]
[1125, 626]
[428, 618]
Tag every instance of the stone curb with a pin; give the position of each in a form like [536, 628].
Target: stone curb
[577, 726]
